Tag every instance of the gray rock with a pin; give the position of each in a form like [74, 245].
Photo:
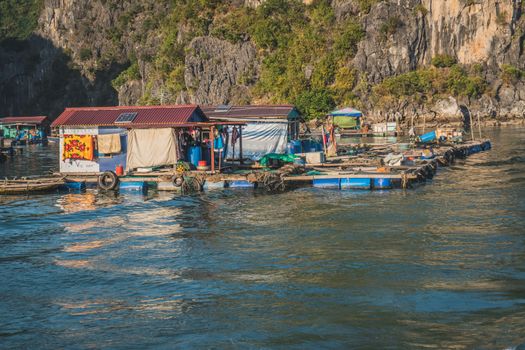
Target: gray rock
[218, 71]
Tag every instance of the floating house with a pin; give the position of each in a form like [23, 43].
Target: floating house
[347, 118]
[99, 139]
[25, 129]
[268, 128]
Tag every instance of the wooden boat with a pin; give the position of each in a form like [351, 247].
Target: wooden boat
[23, 186]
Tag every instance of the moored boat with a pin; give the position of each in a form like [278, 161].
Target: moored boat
[23, 186]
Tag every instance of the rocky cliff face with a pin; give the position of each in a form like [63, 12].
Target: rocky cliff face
[489, 33]
[81, 46]
[218, 72]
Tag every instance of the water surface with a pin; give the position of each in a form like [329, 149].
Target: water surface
[441, 266]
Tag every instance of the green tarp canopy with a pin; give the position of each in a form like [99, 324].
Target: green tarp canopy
[347, 118]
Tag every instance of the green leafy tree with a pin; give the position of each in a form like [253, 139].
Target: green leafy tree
[315, 103]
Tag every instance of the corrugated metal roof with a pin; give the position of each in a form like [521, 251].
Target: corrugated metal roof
[146, 116]
[24, 120]
[249, 112]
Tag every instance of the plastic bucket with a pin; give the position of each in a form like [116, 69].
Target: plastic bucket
[195, 155]
[119, 170]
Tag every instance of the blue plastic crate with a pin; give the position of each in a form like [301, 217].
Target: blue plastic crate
[140, 186]
[73, 186]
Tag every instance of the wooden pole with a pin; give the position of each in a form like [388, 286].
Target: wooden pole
[212, 138]
[233, 151]
[386, 124]
[424, 122]
[471, 125]
[220, 157]
[323, 136]
[241, 161]
[479, 126]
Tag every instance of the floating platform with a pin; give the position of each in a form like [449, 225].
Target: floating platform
[358, 172]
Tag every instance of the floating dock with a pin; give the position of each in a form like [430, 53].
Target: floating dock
[364, 171]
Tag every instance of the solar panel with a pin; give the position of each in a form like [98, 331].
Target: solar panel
[223, 108]
[126, 117]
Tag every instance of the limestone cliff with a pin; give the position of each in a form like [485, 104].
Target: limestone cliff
[213, 54]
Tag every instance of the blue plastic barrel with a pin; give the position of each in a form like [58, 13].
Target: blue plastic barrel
[360, 184]
[241, 184]
[305, 144]
[290, 148]
[214, 185]
[327, 183]
[382, 184]
[298, 147]
[428, 137]
[195, 155]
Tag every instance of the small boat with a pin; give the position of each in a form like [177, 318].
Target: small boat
[23, 186]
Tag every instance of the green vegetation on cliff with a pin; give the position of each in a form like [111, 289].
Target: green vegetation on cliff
[302, 50]
[291, 52]
[18, 18]
[426, 84]
[304, 53]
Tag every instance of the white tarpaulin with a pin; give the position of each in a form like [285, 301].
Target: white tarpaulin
[151, 147]
[259, 139]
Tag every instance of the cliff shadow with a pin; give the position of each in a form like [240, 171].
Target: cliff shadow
[37, 78]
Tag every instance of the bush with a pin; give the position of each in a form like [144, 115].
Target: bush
[420, 9]
[366, 5]
[443, 61]
[85, 54]
[131, 73]
[350, 34]
[390, 27]
[423, 83]
[501, 18]
[315, 103]
[511, 74]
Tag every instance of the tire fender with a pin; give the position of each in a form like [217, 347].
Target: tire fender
[108, 181]
[177, 181]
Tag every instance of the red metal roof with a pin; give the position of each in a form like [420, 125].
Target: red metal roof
[37, 120]
[147, 116]
[251, 111]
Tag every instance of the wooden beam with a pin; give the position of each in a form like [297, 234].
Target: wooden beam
[212, 149]
[240, 146]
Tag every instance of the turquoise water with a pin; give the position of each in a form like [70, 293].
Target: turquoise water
[441, 266]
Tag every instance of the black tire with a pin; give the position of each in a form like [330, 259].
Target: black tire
[177, 181]
[108, 181]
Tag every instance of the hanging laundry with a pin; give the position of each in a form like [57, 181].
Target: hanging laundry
[109, 144]
[218, 143]
[78, 147]
[235, 135]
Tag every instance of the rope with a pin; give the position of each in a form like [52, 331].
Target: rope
[404, 180]
[192, 184]
[274, 182]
